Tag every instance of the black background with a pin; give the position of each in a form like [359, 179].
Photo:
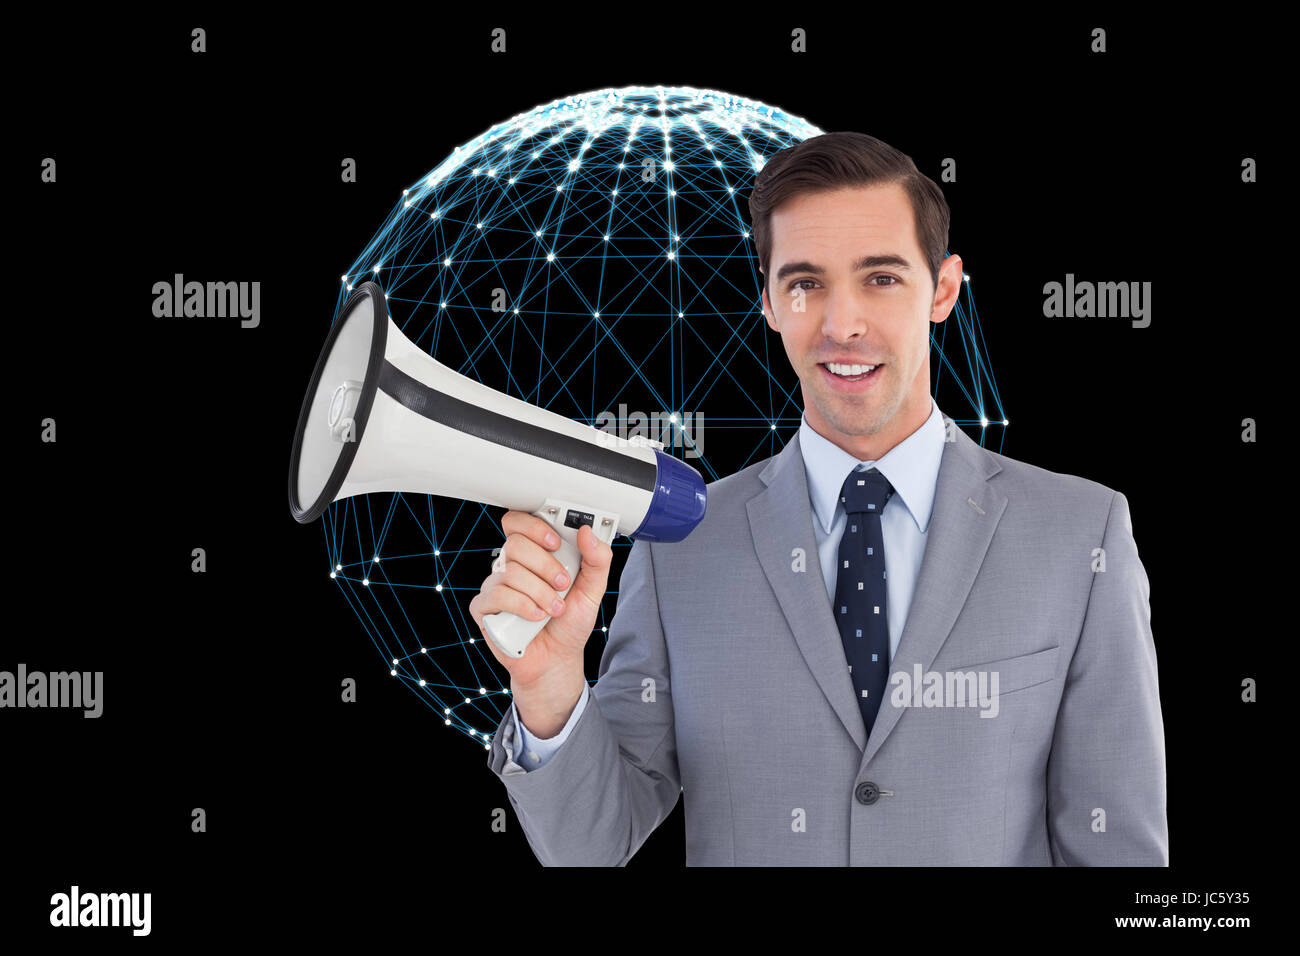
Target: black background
[221, 689]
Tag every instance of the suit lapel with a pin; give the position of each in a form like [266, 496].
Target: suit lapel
[780, 519]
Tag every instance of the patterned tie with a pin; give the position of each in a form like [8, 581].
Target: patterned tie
[860, 589]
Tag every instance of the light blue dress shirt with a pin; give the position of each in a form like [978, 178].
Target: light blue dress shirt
[911, 466]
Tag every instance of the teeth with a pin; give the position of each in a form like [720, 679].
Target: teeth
[848, 369]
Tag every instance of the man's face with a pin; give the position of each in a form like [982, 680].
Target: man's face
[829, 310]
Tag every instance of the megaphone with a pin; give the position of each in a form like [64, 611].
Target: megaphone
[382, 415]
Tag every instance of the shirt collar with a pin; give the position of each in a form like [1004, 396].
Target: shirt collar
[911, 466]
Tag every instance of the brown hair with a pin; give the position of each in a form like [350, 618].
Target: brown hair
[847, 159]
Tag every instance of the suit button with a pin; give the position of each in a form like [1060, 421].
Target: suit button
[867, 792]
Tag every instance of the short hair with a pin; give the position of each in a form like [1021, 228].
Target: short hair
[847, 159]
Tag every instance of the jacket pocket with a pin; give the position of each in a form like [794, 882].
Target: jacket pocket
[1016, 673]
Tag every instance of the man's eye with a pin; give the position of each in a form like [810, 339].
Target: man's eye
[893, 281]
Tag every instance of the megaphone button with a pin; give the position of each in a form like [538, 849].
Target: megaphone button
[576, 519]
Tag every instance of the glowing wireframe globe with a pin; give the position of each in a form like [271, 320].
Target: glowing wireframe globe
[591, 256]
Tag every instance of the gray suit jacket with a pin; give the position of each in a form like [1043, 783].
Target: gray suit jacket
[724, 681]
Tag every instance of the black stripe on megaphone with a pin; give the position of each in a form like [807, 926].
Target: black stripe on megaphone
[509, 432]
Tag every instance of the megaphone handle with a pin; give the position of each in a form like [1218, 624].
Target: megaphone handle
[513, 633]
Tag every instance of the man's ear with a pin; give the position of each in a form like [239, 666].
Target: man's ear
[768, 313]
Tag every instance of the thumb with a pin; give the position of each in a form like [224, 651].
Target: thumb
[594, 573]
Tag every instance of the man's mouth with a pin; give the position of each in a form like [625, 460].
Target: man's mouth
[851, 373]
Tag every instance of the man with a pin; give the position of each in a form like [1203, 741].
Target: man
[885, 644]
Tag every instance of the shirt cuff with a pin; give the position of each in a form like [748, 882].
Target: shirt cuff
[533, 752]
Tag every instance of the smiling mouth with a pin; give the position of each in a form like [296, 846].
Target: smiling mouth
[851, 373]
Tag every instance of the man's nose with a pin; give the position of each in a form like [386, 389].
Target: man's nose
[845, 316]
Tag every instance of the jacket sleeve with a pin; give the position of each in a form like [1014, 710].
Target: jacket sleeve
[615, 778]
[1107, 765]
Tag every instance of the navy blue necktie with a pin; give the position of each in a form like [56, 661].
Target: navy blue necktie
[860, 589]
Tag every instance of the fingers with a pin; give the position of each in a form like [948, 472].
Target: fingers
[529, 578]
[530, 526]
[523, 550]
[497, 597]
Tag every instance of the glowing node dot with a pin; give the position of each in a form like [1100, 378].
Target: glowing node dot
[421, 681]
[366, 582]
[437, 587]
[393, 673]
